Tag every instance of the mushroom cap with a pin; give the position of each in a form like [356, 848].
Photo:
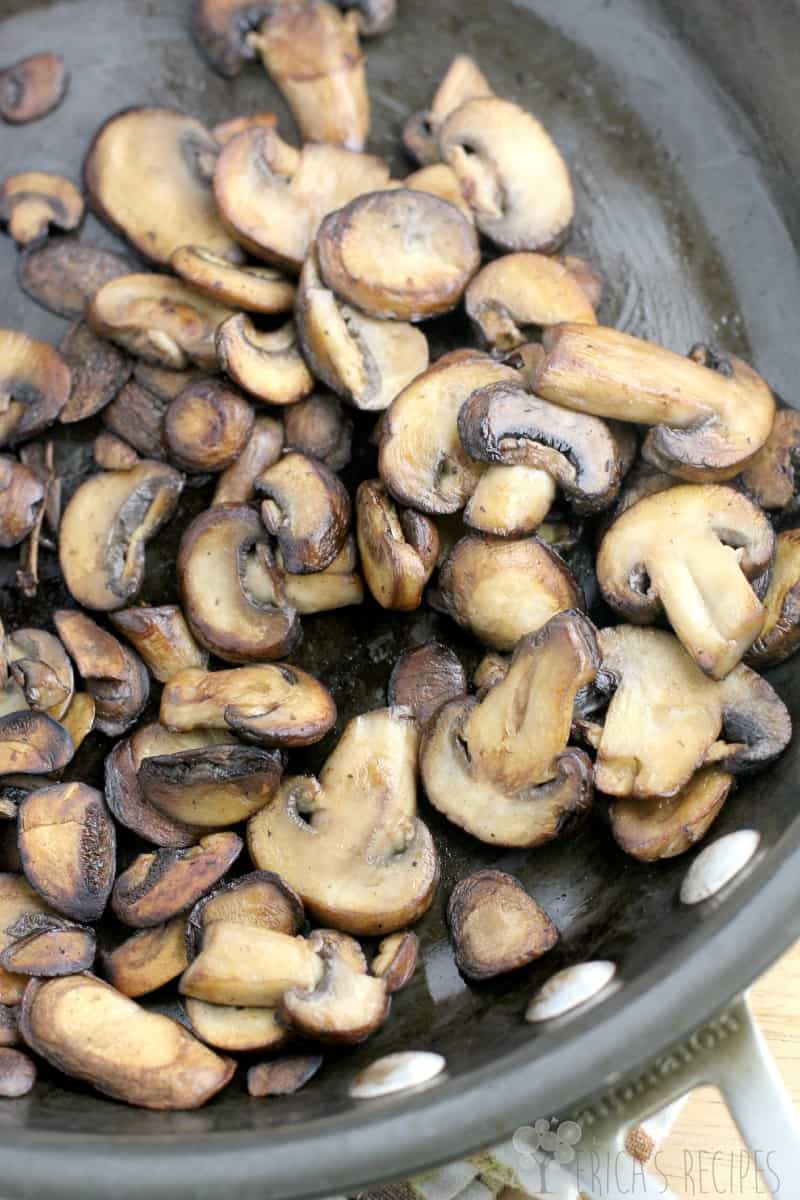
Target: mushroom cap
[147, 959]
[779, 636]
[32, 88]
[260, 898]
[207, 426]
[658, 828]
[398, 549]
[34, 200]
[495, 925]
[235, 1028]
[307, 509]
[116, 677]
[34, 384]
[221, 28]
[126, 800]
[160, 884]
[426, 677]
[41, 666]
[98, 371]
[211, 786]
[268, 366]
[251, 289]
[510, 501]
[463, 80]
[770, 476]
[517, 291]
[319, 427]
[345, 1006]
[62, 274]
[236, 485]
[21, 495]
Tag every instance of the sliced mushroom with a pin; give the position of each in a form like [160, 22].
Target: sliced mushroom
[399, 550]
[260, 899]
[351, 844]
[396, 960]
[105, 529]
[251, 289]
[211, 787]
[221, 28]
[710, 415]
[21, 496]
[691, 551]
[345, 1005]
[225, 130]
[137, 416]
[425, 678]
[18, 900]
[127, 803]
[159, 885]
[34, 200]
[272, 704]
[462, 81]
[236, 485]
[510, 501]
[63, 274]
[32, 743]
[148, 173]
[779, 637]
[249, 965]
[162, 637]
[67, 845]
[338, 586]
[770, 478]
[158, 318]
[501, 767]
[517, 291]
[282, 1076]
[307, 510]
[207, 426]
[32, 88]
[98, 371]
[442, 181]
[665, 827]
[495, 925]
[79, 718]
[319, 428]
[268, 366]
[115, 677]
[92, 1032]
[17, 1074]
[48, 946]
[227, 591]
[39, 664]
[147, 959]
[235, 1029]
[39, 457]
[34, 386]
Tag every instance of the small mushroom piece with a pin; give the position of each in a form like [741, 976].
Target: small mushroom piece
[235, 1029]
[159, 885]
[282, 1076]
[338, 586]
[126, 801]
[236, 485]
[67, 845]
[513, 293]
[651, 830]
[442, 181]
[211, 787]
[268, 366]
[34, 200]
[691, 552]
[148, 174]
[228, 592]
[32, 743]
[18, 901]
[136, 416]
[510, 501]
[462, 81]
[32, 88]
[21, 496]
[344, 1006]
[398, 550]
[99, 370]
[272, 704]
[249, 289]
[221, 29]
[40, 665]
[160, 319]
[307, 509]
[225, 130]
[106, 527]
[779, 637]
[62, 274]
[250, 966]
[770, 477]
[17, 1074]
[709, 415]
[115, 677]
[162, 637]
[79, 718]
[350, 843]
[260, 899]
[48, 946]
[500, 767]
[92, 1032]
[396, 960]
[399, 254]
[425, 678]
[207, 426]
[147, 959]
[34, 386]
[319, 428]
[501, 590]
[495, 925]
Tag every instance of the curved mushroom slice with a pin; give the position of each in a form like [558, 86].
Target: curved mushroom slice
[319, 428]
[282, 1076]
[659, 828]
[495, 925]
[92, 1032]
[34, 200]
[307, 510]
[345, 1006]
[159, 885]
[501, 767]
[162, 637]
[49, 947]
[770, 478]
[159, 318]
[79, 718]
[236, 485]
[511, 172]
[18, 901]
[779, 637]
[63, 274]
[691, 550]
[221, 28]
[338, 586]
[225, 130]
[99, 370]
[249, 289]
[397, 253]
[250, 966]
[228, 590]
[147, 959]
[207, 426]
[39, 664]
[500, 590]
[421, 459]
[273, 197]
[235, 1029]
[268, 366]
[399, 550]
[21, 496]
[272, 704]
[351, 844]
[510, 501]
[756, 723]
[115, 677]
[136, 416]
[34, 386]
[425, 678]
[442, 181]
[67, 845]
[517, 291]
[148, 173]
[260, 899]
[710, 415]
[32, 743]
[32, 88]
[365, 360]
[462, 81]
[396, 960]
[127, 803]
[211, 787]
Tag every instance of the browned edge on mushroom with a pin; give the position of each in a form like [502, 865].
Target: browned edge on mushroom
[495, 925]
[32, 88]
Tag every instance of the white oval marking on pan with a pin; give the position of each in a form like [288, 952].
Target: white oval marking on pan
[395, 1073]
[718, 864]
[568, 988]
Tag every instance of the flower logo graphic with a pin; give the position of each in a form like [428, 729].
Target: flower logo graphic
[557, 1138]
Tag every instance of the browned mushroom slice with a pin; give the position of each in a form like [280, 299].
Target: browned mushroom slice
[40, 665]
[510, 501]
[400, 254]
[92, 1032]
[160, 885]
[513, 293]
[272, 703]
[32, 743]
[115, 677]
[148, 959]
[398, 549]
[34, 200]
[396, 960]
[442, 181]
[462, 81]
[770, 478]
[351, 844]
[665, 827]
[235, 1028]
[500, 590]
[267, 365]
[137, 416]
[98, 370]
[225, 130]
[236, 485]
[756, 723]
[425, 678]
[495, 925]
[34, 386]
[207, 426]
[691, 551]
[282, 1076]
[9, 1029]
[21, 496]
[63, 274]
[338, 586]
[227, 590]
[105, 529]
[125, 799]
[221, 28]
[148, 173]
[211, 787]
[250, 289]
[48, 946]
[501, 767]
[17, 1074]
[779, 637]
[79, 718]
[159, 318]
[307, 509]
[162, 637]
[18, 900]
[319, 428]
[249, 965]
[32, 88]
[511, 172]
[259, 899]
[345, 1005]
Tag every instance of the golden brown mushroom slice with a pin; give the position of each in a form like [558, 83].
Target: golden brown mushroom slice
[260, 898]
[462, 81]
[779, 637]
[62, 274]
[501, 589]
[249, 289]
[510, 501]
[307, 509]
[34, 386]
[228, 590]
[32, 743]
[399, 549]
[235, 1028]
[236, 485]
[273, 704]
[207, 426]
[268, 366]
[21, 496]
[136, 416]
[34, 200]
[248, 965]
[18, 901]
[106, 527]
[115, 677]
[282, 1076]
[148, 174]
[159, 318]
[48, 947]
[225, 130]
[162, 637]
[425, 678]
[351, 843]
[338, 586]
[147, 959]
[513, 293]
[92, 1032]
[659, 828]
[345, 1005]
[500, 767]
[770, 477]
[691, 552]
[211, 787]
[32, 87]
[40, 665]
[396, 960]
[99, 370]
[399, 254]
[159, 885]
[124, 795]
[495, 925]
[221, 29]
[318, 427]
[67, 845]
